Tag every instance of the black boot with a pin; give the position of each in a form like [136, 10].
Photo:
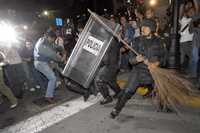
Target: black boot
[122, 100]
[86, 95]
[106, 100]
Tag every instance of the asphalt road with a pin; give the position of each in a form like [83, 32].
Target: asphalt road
[139, 116]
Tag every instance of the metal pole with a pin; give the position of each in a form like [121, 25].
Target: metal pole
[173, 59]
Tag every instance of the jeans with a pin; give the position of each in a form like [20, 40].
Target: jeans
[195, 59]
[44, 68]
[186, 51]
[28, 74]
[124, 61]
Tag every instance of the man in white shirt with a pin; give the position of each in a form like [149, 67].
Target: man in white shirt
[186, 37]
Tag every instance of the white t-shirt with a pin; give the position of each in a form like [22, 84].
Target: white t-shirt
[184, 32]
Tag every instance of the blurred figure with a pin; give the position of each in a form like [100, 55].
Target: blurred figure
[26, 54]
[195, 29]
[186, 40]
[139, 17]
[127, 34]
[150, 13]
[69, 37]
[5, 90]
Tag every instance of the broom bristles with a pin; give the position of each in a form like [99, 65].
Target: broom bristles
[173, 89]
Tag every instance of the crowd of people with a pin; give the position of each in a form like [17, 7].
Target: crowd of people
[141, 29]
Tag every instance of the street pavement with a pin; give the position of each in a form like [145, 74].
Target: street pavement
[77, 116]
[139, 116]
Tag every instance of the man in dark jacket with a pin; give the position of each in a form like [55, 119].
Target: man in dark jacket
[45, 51]
[149, 47]
[107, 75]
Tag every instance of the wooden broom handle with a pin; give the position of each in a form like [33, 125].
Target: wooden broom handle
[112, 32]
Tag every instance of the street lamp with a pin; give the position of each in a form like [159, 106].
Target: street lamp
[46, 13]
[153, 2]
[25, 27]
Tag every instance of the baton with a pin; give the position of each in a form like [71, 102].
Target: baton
[112, 32]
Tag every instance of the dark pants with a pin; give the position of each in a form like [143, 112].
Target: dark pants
[14, 78]
[106, 78]
[138, 76]
[28, 66]
[124, 62]
[6, 90]
[186, 52]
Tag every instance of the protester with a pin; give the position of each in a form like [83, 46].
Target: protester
[186, 39]
[44, 52]
[127, 33]
[5, 90]
[194, 28]
[26, 54]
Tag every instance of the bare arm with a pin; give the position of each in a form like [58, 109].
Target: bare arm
[181, 10]
[196, 5]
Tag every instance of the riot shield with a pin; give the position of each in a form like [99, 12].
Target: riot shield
[89, 51]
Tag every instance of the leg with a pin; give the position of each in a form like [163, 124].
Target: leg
[46, 70]
[6, 91]
[115, 87]
[188, 53]
[122, 100]
[28, 75]
[182, 55]
[194, 61]
[103, 88]
[124, 61]
[126, 94]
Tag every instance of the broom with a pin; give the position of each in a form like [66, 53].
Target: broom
[172, 89]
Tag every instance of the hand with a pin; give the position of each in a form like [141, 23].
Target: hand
[59, 56]
[140, 58]
[119, 38]
[122, 50]
[146, 62]
[63, 59]
[153, 65]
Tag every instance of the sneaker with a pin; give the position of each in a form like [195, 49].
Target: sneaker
[50, 100]
[32, 89]
[58, 83]
[37, 87]
[86, 95]
[13, 106]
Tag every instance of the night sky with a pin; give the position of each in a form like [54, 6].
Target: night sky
[67, 6]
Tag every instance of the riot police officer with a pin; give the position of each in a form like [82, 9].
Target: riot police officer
[149, 46]
[107, 75]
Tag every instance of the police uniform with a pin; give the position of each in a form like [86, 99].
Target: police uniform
[107, 74]
[151, 49]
